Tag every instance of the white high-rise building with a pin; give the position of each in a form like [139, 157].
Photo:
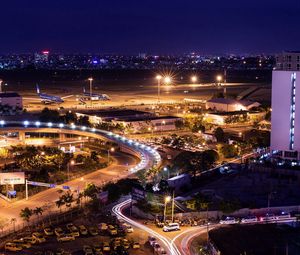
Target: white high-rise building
[285, 134]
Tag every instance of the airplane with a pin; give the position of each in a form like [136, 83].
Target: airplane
[94, 97]
[48, 99]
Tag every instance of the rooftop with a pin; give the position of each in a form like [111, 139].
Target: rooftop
[230, 101]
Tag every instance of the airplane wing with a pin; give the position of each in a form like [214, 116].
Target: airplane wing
[32, 98]
[67, 96]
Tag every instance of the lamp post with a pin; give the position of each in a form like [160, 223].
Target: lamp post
[112, 149]
[219, 79]
[167, 200]
[158, 78]
[72, 163]
[167, 170]
[194, 79]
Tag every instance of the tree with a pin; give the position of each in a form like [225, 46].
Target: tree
[179, 124]
[220, 135]
[3, 223]
[90, 191]
[26, 214]
[229, 150]
[48, 115]
[38, 211]
[59, 203]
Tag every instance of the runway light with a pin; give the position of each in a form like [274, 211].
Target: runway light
[50, 124]
[37, 123]
[61, 125]
[26, 123]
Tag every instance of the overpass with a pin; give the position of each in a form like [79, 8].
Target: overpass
[148, 156]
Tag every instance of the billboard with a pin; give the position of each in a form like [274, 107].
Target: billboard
[12, 178]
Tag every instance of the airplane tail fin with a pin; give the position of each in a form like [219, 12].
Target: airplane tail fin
[37, 89]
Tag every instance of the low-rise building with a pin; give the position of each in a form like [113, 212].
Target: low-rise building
[230, 105]
[11, 99]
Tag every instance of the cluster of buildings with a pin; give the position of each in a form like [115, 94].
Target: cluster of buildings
[143, 61]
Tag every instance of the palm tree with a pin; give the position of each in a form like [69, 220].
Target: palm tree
[38, 211]
[25, 214]
[13, 221]
[59, 203]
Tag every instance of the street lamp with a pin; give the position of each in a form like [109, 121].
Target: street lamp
[91, 85]
[72, 163]
[167, 80]
[167, 200]
[219, 78]
[194, 79]
[158, 78]
[167, 170]
[112, 149]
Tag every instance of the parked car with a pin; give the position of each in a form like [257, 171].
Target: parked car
[87, 250]
[93, 231]
[151, 240]
[171, 227]
[249, 219]
[12, 247]
[102, 226]
[106, 246]
[58, 231]
[83, 230]
[65, 238]
[23, 244]
[228, 220]
[48, 231]
[136, 245]
[29, 239]
[38, 237]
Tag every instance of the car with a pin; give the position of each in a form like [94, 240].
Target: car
[268, 217]
[97, 247]
[106, 246]
[171, 227]
[38, 237]
[71, 227]
[127, 228]
[157, 247]
[126, 244]
[151, 240]
[249, 219]
[12, 247]
[48, 231]
[58, 231]
[29, 239]
[136, 245]
[65, 238]
[228, 220]
[83, 230]
[163, 252]
[283, 216]
[60, 251]
[112, 230]
[93, 231]
[102, 226]
[88, 250]
[24, 245]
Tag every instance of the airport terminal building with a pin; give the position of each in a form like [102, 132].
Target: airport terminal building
[285, 134]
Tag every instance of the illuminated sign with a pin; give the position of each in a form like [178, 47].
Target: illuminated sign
[12, 178]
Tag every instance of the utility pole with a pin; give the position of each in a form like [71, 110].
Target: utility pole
[173, 203]
[225, 76]
[26, 189]
[1, 85]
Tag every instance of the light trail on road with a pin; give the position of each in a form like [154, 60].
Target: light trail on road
[171, 247]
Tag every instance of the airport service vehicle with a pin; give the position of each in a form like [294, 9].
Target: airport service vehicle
[94, 97]
[171, 227]
[228, 220]
[38, 237]
[83, 230]
[249, 219]
[12, 247]
[65, 238]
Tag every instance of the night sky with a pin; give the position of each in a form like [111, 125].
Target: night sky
[152, 26]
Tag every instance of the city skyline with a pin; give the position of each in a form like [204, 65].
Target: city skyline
[152, 27]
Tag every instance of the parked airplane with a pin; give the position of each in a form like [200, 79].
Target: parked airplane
[94, 97]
